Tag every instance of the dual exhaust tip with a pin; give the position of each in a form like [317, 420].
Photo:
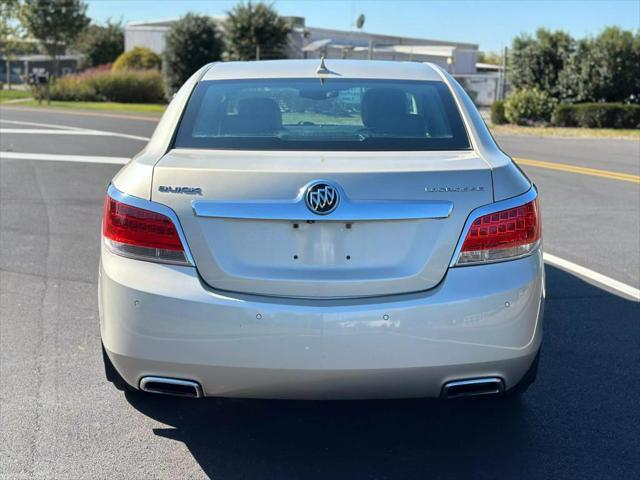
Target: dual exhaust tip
[456, 389]
[171, 386]
[473, 388]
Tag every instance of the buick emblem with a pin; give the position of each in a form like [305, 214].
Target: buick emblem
[322, 198]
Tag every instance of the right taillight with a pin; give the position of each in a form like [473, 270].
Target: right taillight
[502, 235]
[142, 234]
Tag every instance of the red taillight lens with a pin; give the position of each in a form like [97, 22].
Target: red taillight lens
[502, 235]
[138, 233]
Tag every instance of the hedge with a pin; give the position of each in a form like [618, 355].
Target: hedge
[529, 106]
[129, 86]
[597, 115]
[497, 113]
[138, 58]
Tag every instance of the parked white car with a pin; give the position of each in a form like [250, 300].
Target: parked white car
[339, 231]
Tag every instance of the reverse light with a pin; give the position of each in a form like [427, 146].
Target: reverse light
[142, 234]
[503, 235]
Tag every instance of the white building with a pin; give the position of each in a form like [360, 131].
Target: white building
[312, 42]
[457, 58]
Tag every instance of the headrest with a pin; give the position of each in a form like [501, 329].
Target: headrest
[380, 102]
[262, 109]
[385, 111]
[256, 116]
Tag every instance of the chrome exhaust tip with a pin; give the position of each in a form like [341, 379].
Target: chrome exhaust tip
[171, 386]
[473, 387]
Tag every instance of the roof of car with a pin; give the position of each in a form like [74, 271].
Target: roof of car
[374, 69]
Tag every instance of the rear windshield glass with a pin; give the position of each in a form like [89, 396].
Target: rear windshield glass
[335, 114]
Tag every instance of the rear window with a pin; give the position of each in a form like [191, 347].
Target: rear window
[335, 114]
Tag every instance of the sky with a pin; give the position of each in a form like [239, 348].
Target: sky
[490, 23]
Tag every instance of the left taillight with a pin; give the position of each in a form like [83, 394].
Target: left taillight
[142, 234]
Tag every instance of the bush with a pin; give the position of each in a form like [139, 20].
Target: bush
[139, 86]
[104, 68]
[70, 88]
[497, 113]
[596, 115]
[142, 86]
[192, 42]
[138, 58]
[529, 106]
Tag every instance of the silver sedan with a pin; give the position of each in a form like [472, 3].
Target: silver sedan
[338, 230]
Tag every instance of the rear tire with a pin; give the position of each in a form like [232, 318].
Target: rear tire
[113, 376]
[529, 379]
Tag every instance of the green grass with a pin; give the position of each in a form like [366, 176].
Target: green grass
[565, 132]
[6, 95]
[101, 106]
[290, 118]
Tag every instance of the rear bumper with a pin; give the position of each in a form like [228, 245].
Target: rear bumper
[480, 321]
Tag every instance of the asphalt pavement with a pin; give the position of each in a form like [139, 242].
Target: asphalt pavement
[60, 419]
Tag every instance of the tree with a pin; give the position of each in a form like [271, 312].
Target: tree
[255, 32]
[138, 58]
[100, 44]
[604, 69]
[10, 32]
[492, 58]
[55, 24]
[191, 42]
[537, 62]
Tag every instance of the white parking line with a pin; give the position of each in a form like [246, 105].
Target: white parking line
[98, 133]
[63, 158]
[37, 124]
[54, 129]
[43, 131]
[593, 276]
[153, 117]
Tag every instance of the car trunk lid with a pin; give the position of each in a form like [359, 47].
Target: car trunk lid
[399, 217]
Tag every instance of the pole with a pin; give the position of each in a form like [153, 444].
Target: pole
[257, 52]
[503, 73]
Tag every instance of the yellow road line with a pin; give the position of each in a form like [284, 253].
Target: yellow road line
[564, 167]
